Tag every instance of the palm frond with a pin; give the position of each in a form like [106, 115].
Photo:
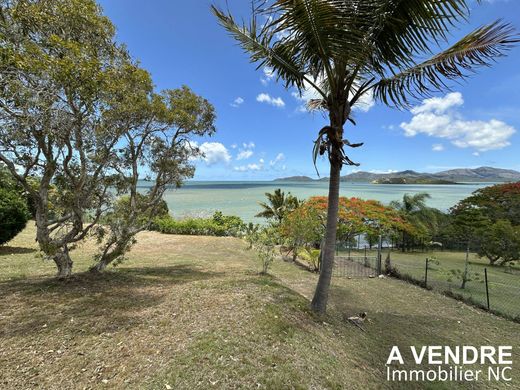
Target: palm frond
[479, 48]
[258, 43]
[401, 29]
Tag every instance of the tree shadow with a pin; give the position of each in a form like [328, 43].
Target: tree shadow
[100, 302]
[15, 250]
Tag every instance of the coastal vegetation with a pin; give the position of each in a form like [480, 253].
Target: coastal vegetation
[217, 225]
[343, 51]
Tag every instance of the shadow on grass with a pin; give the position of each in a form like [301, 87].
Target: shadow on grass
[15, 250]
[99, 302]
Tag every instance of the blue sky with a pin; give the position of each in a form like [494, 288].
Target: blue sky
[262, 132]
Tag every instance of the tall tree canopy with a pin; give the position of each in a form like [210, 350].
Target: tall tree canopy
[345, 49]
[501, 201]
[80, 121]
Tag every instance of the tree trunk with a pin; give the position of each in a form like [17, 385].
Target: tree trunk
[64, 264]
[319, 302]
[113, 251]
[100, 266]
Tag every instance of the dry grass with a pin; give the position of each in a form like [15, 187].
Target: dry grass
[192, 312]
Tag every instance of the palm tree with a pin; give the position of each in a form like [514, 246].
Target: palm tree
[414, 210]
[278, 205]
[345, 49]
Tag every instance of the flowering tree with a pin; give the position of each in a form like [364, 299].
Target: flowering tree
[305, 226]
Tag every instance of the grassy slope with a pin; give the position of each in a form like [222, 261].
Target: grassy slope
[192, 312]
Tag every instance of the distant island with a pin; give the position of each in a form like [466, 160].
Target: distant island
[404, 180]
[452, 176]
[295, 178]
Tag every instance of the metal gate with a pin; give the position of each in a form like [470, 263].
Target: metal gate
[356, 266]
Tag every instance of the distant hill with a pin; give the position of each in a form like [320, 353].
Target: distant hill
[295, 178]
[420, 180]
[482, 174]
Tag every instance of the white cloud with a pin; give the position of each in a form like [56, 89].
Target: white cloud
[246, 151]
[237, 102]
[214, 152]
[266, 98]
[437, 117]
[268, 75]
[244, 154]
[378, 171]
[476, 154]
[437, 147]
[280, 157]
[249, 167]
[439, 105]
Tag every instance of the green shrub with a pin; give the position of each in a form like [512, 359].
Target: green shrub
[14, 214]
[311, 256]
[264, 243]
[218, 225]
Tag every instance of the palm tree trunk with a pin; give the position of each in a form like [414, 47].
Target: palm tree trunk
[319, 302]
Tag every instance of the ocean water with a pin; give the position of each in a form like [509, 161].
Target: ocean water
[198, 198]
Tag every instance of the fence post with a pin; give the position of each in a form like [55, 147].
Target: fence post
[487, 288]
[379, 249]
[426, 274]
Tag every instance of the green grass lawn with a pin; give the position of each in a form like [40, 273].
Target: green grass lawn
[193, 313]
[503, 282]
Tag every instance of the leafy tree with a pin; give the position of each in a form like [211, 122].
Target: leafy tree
[302, 229]
[498, 202]
[7, 181]
[358, 216]
[500, 243]
[344, 50]
[156, 130]
[466, 225]
[277, 206]
[59, 64]
[13, 214]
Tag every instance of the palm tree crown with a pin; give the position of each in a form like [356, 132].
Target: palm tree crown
[278, 205]
[345, 49]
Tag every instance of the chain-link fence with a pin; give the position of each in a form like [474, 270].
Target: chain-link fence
[470, 279]
[355, 266]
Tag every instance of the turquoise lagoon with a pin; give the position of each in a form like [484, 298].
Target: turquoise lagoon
[202, 198]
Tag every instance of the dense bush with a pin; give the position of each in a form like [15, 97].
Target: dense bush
[14, 214]
[217, 225]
